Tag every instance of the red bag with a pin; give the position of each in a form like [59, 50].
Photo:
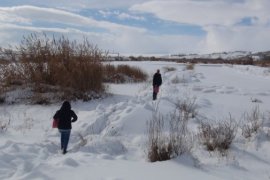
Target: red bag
[55, 123]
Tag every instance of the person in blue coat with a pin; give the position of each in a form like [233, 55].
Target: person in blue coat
[65, 117]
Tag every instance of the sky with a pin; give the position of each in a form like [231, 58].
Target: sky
[139, 27]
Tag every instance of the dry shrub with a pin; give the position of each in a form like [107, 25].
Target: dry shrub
[4, 126]
[158, 146]
[180, 139]
[176, 80]
[2, 99]
[2, 95]
[11, 74]
[39, 98]
[190, 66]
[217, 135]
[62, 62]
[169, 69]
[123, 73]
[253, 122]
[67, 64]
[187, 107]
[163, 146]
[7, 55]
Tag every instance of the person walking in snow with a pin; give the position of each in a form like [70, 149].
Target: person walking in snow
[65, 117]
[157, 81]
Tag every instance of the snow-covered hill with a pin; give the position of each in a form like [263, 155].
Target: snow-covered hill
[108, 140]
[234, 55]
[222, 55]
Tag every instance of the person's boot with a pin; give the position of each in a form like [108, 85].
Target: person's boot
[64, 151]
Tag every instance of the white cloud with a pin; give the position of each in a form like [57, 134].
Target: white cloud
[220, 12]
[237, 38]
[147, 43]
[11, 18]
[125, 16]
[20, 20]
[220, 19]
[120, 15]
[32, 14]
[79, 4]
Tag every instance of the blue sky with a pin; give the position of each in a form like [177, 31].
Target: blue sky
[143, 20]
[143, 26]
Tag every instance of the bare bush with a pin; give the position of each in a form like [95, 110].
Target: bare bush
[252, 122]
[123, 73]
[190, 66]
[176, 80]
[83, 140]
[217, 135]
[255, 100]
[163, 146]
[2, 99]
[2, 95]
[7, 55]
[181, 140]
[67, 64]
[169, 69]
[11, 74]
[74, 67]
[4, 126]
[158, 146]
[62, 62]
[187, 107]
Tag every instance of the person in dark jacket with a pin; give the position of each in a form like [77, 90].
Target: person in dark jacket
[65, 117]
[157, 81]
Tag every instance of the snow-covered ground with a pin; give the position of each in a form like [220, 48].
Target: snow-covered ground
[108, 140]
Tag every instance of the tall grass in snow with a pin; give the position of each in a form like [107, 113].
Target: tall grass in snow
[123, 73]
[58, 64]
[71, 65]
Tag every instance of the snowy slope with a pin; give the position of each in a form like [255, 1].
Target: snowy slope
[108, 140]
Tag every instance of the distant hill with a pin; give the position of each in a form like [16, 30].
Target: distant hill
[239, 57]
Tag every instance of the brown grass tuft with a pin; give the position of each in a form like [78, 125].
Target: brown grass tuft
[123, 73]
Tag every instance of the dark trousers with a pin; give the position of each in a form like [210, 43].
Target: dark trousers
[65, 134]
[154, 95]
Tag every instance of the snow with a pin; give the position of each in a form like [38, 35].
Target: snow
[108, 140]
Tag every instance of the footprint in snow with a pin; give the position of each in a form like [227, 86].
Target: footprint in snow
[105, 156]
[263, 94]
[112, 178]
[70, 162]
[148, 107]
[209, 90]
[128, 110]
[197, 88]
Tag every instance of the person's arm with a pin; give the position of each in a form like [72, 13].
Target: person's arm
[56, 115]
[74, 116]
[159, 81]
